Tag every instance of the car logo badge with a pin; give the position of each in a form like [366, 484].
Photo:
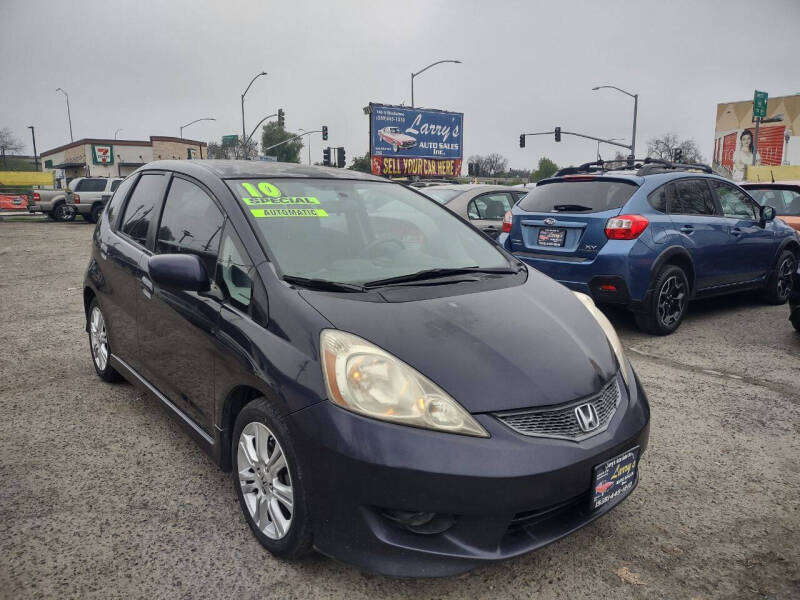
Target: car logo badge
[587, 417]
[549, 221]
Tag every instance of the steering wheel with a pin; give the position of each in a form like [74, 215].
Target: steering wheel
[367, 250]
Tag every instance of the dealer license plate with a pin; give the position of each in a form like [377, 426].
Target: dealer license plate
[550, 236]
[615, 478]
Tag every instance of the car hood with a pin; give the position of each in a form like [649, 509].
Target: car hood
[527, 345]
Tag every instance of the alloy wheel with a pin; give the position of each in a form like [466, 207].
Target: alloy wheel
[671, 301]
[265, 481]
[98, 338]
[785, 274]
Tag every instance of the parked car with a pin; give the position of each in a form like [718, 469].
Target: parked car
[783, 196]
[483, 205]
[652, 239]
[52, 203]
[794, 301]
[397, 139]
[374, 398]
[88, 195]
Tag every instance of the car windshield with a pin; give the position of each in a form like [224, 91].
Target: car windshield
[443, 196]
[591, 195]
[358, 231]
[786, 202]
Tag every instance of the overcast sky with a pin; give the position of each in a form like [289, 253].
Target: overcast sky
[149, 67]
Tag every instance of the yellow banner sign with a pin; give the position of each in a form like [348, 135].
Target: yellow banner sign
[25, 178]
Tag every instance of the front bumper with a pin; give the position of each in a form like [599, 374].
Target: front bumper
[508, 494]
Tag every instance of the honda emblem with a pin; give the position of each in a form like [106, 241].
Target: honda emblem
[587, 417]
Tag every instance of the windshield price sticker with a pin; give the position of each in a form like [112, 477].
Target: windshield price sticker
[263, 213]
[265, 193]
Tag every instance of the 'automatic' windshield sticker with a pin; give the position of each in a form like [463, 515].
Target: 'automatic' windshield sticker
[267, 193]
[263, 213]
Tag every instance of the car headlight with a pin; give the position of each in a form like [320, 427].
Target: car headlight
[367, 380]
[610, 332]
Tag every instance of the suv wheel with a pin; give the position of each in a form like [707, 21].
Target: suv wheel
[98, 344]
[779, 284]
[269, 481]
[96, 212]
[63, 213]
[668, 304]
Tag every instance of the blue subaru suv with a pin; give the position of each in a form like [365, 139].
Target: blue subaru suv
[651, 237]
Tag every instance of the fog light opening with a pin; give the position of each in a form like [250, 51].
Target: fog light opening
[425, 523]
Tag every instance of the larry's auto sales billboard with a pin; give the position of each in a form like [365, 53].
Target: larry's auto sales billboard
[414, 141]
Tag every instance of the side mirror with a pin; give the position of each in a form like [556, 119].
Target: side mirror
[179, 271]
[767, 213]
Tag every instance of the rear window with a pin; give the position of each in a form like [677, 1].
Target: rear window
[441, 196]
[91, 185]
[578, 196]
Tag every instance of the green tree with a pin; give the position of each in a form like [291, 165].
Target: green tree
[362, 163]
[547, 168]
[272, 134]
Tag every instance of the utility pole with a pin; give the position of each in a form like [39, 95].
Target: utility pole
[438, 62]
[35, 156]
[69, 116]
[244, 133]
[635, 112]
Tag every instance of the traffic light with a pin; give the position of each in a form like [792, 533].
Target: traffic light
[677, 155]
[326, 157]
[521, 140]
[281, 118]
[340, 158]
[325, 132]
[558, 134]
[471, 169]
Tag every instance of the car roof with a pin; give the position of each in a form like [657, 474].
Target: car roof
[653, 179]
[747, 184]
[464, 187]
[246, 169]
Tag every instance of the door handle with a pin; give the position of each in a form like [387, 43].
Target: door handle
[687, 229]
[147, 286]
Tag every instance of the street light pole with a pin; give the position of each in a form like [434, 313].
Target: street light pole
[598, 146]
[309, 146]
[35, 157]
[244, 133]
[69, 116]
[438, 62]
[635, 111]
[117, 131]
[196, 121]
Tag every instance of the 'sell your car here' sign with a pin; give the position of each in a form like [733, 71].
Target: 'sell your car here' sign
[409, 141]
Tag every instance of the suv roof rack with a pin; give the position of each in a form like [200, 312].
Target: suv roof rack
[643, 166]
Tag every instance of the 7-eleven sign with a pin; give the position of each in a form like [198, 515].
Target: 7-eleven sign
[102, 155]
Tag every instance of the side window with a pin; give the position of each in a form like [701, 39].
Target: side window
[491, 207]
[695, 197]
[91, 185]
[235, 270]
[118, 198]
[734, 202]
[142, 206]
[115, 184]
[659, 198]
[190, 222]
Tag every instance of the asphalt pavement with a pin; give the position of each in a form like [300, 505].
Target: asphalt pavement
[102, 495]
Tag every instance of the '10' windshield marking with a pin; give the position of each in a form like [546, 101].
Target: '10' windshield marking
[268, 194]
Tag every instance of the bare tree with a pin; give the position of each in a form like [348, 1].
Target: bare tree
[495, 163]
[9, 142]
[664, 147]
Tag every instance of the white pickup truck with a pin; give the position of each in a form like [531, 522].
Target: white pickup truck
[85, 196]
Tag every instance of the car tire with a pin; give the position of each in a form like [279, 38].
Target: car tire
[99, 345]
[794, 317]
[62, 213]
[667, 306]
[260, 432]
[779, 284]
[50, 215]
[95, 213]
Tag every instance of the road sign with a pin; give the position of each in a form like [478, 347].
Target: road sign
[230, 140]
[760, 104]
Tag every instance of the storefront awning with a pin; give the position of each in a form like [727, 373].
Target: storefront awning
[69, 165]
[132, 164]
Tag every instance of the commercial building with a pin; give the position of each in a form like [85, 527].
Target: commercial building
[778, 136]
[114, 158]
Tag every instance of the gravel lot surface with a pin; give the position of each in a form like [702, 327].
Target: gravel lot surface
[102, 495]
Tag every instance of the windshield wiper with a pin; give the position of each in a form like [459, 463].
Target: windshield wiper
[429, 274]
[571, 207]
[324, 284]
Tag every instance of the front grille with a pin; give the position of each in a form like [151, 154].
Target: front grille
[561, 421]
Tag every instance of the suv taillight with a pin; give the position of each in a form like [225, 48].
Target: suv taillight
[626, 227]
[76, 198]
[36, 196]
[507, 222]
